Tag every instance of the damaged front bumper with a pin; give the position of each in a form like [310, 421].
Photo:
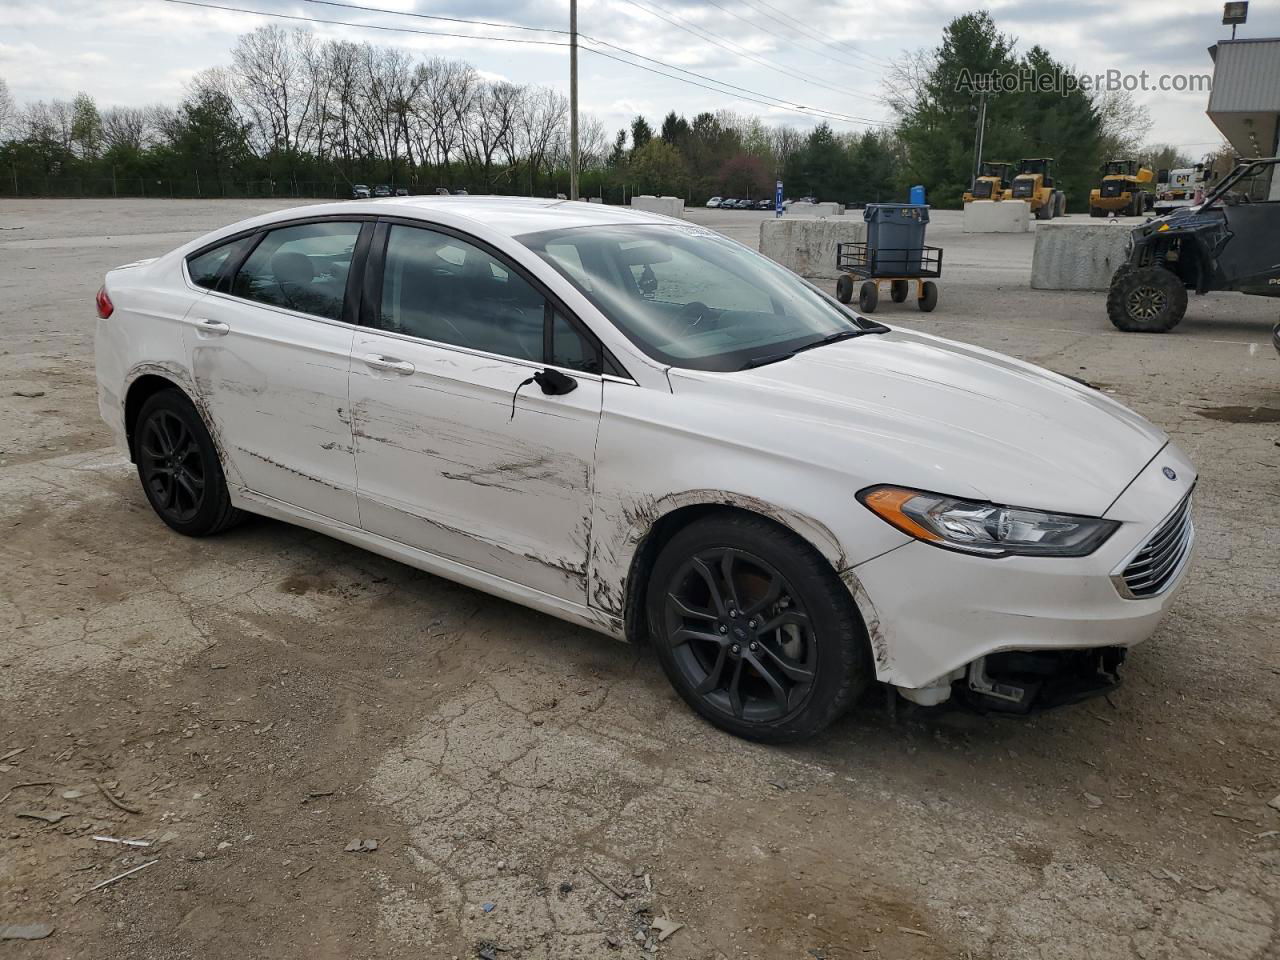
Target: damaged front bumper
[1024, 632]
[1019, 681]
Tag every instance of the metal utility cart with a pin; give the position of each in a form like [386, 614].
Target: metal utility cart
[894, 253]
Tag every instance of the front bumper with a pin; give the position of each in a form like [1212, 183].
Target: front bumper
[939, 611]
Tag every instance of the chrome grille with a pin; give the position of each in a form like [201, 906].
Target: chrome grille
[1162, 557]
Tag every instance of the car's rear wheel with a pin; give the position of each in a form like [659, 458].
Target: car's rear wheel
[1146, 300]
[179, 467]
[755, 630]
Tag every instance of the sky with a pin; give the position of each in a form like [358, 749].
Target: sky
[827, 55]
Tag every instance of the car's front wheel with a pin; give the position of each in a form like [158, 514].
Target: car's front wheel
[179, 467]
[755, 630]
[1146, 300]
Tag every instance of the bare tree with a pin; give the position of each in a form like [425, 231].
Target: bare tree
[272, 81]
[541, 121]
[8, 111]
[1125, 123]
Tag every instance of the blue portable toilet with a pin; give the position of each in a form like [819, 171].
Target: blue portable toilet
[917, 194]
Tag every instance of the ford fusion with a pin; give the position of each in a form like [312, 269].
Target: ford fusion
[640, 426]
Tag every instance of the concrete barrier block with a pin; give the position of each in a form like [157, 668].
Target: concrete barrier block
[997, 216]
[814, 210]
[667, 206]
[1078, 256]
[807, 245]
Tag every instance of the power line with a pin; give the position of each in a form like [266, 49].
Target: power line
[364, 26]
[814, 111]
[799, 27]
[755, 24]
[743, 92]
[735, 49]
[724, 83]
[434, 16]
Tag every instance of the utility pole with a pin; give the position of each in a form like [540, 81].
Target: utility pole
[982, 127]
[573, 99]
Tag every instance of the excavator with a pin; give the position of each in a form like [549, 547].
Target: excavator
[1120, 190]
[991, 183]
[1034, 184]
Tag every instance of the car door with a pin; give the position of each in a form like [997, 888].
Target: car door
[270, 349]
[458, 451]
[1251, 259]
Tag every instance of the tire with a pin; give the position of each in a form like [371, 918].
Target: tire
[1097, 212]
[178, 467]
[898, 290]
[1146, 300]
[844, 288]
[1061, 204]
[707, 655]
[1045, 212]
[928, 296]
[868, 296]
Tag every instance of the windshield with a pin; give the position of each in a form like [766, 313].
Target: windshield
[690, 297]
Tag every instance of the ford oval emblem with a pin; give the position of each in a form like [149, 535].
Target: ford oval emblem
[1168, 472]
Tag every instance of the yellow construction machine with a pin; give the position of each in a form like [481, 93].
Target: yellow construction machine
[1034, 184]
[991, 183]
[1120, 190]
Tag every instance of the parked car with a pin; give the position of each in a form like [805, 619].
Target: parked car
[765, 204]
[402, 192]
[714, 202]
[359, 191]
[479, 391]
[442, 191]
[744, 204]
[382, 190]
[729, 203]
[461, 192]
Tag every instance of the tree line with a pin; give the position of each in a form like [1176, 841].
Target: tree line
[292, 114]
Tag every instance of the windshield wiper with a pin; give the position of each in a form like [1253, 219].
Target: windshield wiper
[829, 338]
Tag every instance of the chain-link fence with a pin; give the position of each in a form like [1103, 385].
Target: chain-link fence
[17, 185]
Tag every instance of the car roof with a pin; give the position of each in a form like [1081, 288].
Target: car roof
[511, 216]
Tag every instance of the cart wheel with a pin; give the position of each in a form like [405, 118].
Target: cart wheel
[928, 296]
[898, 289]
[844, 288]
[868, 296]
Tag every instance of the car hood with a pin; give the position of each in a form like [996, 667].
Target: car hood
[916, 410]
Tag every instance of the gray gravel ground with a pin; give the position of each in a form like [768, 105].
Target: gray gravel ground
[262, 698]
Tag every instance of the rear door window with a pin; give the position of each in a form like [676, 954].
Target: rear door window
[302, 268]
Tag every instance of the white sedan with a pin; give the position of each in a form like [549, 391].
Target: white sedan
[642, 427]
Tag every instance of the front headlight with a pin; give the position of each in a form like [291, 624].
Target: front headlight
[988, 529]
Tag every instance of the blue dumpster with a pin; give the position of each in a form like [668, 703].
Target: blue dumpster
[917, 194]
[895, 238]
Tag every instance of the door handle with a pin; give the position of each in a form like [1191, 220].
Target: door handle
[214, 328]
[379, 362]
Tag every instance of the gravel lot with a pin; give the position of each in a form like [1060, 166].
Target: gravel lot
[254, 702]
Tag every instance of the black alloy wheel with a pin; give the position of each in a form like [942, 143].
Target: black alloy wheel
[172, 468]
[755, 630]
[740, 636]
[179, 467]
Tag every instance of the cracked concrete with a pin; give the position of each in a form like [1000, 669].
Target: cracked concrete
[265, 696]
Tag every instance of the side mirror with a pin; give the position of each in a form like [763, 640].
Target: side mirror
[554, 383]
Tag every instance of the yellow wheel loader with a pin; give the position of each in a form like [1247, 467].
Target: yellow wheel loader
[992, 183]
[1034, 184]
[1120, 190]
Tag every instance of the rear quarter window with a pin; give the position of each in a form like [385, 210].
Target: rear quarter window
[209, 269]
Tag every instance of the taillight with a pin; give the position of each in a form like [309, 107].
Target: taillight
[105, 306]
